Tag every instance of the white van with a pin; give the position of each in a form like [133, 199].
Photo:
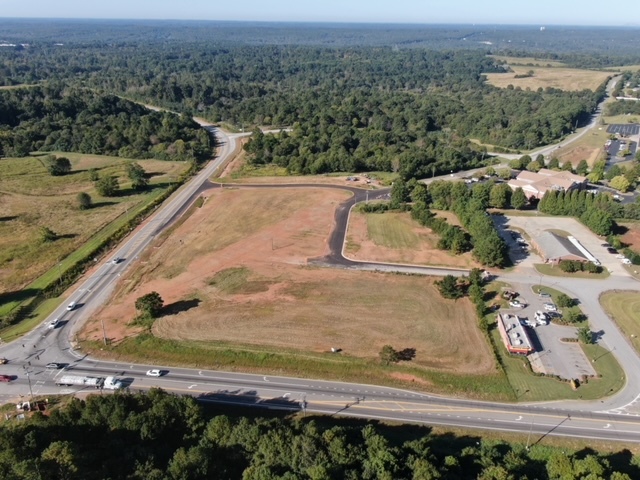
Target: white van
[71, 306]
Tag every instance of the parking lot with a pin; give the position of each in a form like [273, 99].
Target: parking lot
[616, 148]
[625, 130]
[552, 356]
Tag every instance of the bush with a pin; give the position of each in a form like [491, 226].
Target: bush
[565, 301]
[571, 266]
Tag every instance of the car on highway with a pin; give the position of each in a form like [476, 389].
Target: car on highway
[54, 366]
[116, 260]
[154, 373]
[72, 306]
[3, 360]
[5, 378]
[53, 323]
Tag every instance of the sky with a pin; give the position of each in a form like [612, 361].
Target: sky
[524, 12]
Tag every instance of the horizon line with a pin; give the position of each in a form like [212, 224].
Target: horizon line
[329, 22]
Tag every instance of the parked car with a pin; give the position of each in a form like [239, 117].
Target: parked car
[550, 307]
[541, 317]
[5, 378]
[611, 250]
[626, 261]
[544, 295]
[517, 304]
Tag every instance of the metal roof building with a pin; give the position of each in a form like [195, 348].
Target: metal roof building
[554, 248]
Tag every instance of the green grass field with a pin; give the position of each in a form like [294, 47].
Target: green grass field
[392, 231]
[32, 199]
[624, 309]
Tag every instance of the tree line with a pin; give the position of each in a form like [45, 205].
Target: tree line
[158, 436]
[57, 118]
[592, 210]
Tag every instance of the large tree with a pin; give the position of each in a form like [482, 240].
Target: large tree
[57, 165]
[150, 305]
[137, 175]
[518, 199]
[107, 186]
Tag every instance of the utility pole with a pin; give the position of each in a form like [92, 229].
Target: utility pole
[104, 333]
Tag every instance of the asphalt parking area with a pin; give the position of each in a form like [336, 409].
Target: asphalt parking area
[552, 356]
[624, 129]
[616, 148]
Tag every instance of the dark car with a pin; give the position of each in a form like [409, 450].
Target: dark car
[611, 250]
[5, 378]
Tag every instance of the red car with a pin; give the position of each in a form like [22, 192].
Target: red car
[5, 378]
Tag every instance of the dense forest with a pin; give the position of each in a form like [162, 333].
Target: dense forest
[161, 436]
[354, 104]
[53, 117]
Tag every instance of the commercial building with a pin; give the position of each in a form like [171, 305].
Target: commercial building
[537, 184]
[514, 334]
[554, 248]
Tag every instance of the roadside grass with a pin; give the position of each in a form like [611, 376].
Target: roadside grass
[392, 230]
[271, 361]
[42, 311]
[247, 170]
[624, 309]
[568, 79]
[589, 147]
[531, 388]
[552, 271]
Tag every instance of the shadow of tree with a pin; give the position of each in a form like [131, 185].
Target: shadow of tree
[180, 306]
[407, 354]
[8, 218]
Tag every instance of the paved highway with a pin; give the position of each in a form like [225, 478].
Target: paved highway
[28, 356]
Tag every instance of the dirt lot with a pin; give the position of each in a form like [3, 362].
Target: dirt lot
[556, 77]
[238, 274]
[632, 237]
[396, 238]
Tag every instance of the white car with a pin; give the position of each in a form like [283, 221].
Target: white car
[626, 261]
[53, 323]
[541, 318]
[72, 306]
[154, 373]
[550, 307]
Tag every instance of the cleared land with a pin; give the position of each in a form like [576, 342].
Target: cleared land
[396, 238]
[30, 198]
[563, 78]
[235, 274]
[624, 309]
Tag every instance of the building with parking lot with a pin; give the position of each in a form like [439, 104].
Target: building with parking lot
[553, 248]
[514, 334]
[537, 184]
